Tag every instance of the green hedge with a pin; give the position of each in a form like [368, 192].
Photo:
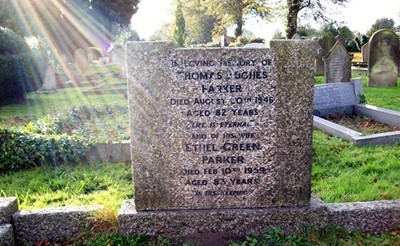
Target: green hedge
[22, 150]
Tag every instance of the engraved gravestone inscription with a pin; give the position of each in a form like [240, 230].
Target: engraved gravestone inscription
[220, 128]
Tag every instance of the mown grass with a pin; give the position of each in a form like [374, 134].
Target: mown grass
[343, 172]
[83, 184]
[40, 104]
[385, 97]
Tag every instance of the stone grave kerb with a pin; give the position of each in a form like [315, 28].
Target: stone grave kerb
[220, 128]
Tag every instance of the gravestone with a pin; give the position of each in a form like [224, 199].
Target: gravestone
[50, 83]
[94, 53]
[80, 59]
[325, 43]
[337, 98]
[210, 129]
[254, 45]
[338, 64]
[296, 36]
[117, 54]
[221, 142]
[118, 57]
[341, 39]
[383, 62]
[104, 60]
[365, 52]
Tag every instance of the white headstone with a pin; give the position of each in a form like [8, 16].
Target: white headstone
[50, 79]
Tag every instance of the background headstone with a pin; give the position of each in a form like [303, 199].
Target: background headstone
[80, 59]
[50, 83]
[104, 60]
[326, 43]
[337, 98]
[338, 64]
[383, 62]
[365, 52]
[341, 39]
[220, 128]
[254, 45]
[296, 36]
[118, 57]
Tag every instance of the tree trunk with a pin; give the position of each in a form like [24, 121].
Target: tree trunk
[239, 27]
[291, 25]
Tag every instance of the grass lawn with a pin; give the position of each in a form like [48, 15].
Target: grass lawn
[83, 184]
[40, 104]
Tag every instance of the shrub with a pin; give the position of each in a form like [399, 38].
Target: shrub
[256, 40]
[22, 150]
[17, 72]
[97, 124]
[352, 46]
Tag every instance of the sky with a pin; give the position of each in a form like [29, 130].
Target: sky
[358, 15]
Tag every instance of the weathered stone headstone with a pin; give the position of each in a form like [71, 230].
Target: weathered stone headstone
[117, 54]
[220, 128]
[254, 45]
[94, 53]
[80, 59]
[325, 43]
[338, 64]
[118, 57]
[341, 39]
[104, 60]
[50, 83]
[296, 36]
[365, 52]
[383, 62]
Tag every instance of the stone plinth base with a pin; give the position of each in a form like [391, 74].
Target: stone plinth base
[6, 235]
[8, 206]
[216, 227]
[53, 224]
[219, 226]
[371, 217]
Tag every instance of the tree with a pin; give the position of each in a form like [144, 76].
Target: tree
[346, 33]
[306, 31]
[113, 15]
[199, 22]
[382, 23]
[234, 11]
[69, 24]
[163, 33]
[9, 19]
[180, 25]
[337, 30]
[17, 72]
[318, 11]
[331, 27]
